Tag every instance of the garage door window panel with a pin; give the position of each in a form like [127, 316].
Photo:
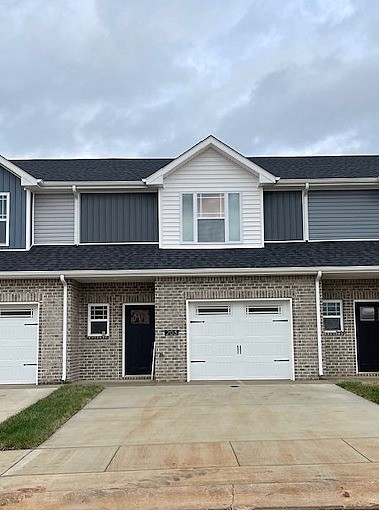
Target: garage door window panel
[4, 219]
[98, 320]
[16, 313]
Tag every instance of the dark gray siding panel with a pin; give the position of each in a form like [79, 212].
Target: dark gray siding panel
[343, 214]
[283, 215]
[17, 208]
[119, 217]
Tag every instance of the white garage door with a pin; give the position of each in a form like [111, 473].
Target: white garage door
[240, 340]
[18, 344]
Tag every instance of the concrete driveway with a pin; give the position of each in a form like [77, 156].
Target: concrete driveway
[15, 398]
[229, 435]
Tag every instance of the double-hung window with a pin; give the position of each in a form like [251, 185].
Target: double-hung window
[4, 219]
[332, 314]
[98, 320]
[211, 217]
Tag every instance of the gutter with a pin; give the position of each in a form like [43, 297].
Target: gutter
[64, 329]
[318, 322]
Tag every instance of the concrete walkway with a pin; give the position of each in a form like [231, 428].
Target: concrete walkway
[218, 445]
[14, 399]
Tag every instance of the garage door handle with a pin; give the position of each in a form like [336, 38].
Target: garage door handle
[31, 324]
[30, 364]
[281, 359]
[279, 320]
[198, 361]
[197, 322]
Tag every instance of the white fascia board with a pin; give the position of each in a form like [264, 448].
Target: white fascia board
[273, 271]
[26, 179]
[354, 181]
[92, 185]
[210, 142]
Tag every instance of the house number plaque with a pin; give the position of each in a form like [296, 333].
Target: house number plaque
[171, 332]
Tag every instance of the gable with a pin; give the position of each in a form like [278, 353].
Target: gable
[210, 172]
[216, 145]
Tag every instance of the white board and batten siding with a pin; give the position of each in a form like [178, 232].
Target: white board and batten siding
[54, 218]
[210, 172]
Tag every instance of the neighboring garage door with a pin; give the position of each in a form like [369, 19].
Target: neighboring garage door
[18, 344]
[240, 340]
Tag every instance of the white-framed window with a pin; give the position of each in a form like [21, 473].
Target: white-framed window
[332, 315]
[98, 319]
[211, 217]
[4, 219]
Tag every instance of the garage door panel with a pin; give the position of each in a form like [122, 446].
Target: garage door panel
[18, 345]
[246, 344]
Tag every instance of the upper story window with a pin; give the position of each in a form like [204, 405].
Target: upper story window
[211, 217]
[4, 219]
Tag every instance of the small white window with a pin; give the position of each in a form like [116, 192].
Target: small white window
[4, 219]
[98, 320]
[332, 314]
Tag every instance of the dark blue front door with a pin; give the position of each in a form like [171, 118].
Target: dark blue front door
[367, 325]
[139, 338]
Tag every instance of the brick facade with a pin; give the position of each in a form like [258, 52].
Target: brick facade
[101, 358]
[339, 349]
[48, 294]
[171, 295]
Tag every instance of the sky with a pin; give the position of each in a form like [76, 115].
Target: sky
[150, 78]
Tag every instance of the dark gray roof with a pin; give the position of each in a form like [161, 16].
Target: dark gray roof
[91, 169]
[142, 257]
[319, 167]
[299, 167]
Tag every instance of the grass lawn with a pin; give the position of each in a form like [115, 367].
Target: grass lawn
[369, 391]
[32, 426]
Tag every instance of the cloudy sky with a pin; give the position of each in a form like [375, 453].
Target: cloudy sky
[122, 78]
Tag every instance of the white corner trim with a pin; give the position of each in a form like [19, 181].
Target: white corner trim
[210, 142]
[305, 208]
[26, 179]
[28, 221]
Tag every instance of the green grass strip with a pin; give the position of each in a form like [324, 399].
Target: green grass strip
[32, 426]
[366, 390]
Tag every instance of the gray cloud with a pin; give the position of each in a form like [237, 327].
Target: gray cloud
[126, 78]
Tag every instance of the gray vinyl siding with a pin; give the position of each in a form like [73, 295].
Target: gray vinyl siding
[54, 218]
[17, 209]
[119, 217]
[283, 215]
[343, 214]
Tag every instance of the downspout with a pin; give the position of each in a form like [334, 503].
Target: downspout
[318, 321]
[64, 329]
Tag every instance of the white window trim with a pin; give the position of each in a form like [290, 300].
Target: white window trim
[333, 316]
[89, 321]
[7, 195]
[195, 218]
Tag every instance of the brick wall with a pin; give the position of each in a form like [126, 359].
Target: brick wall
[101, 358]
[49, 294]
[171, 295]
[339, 348]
